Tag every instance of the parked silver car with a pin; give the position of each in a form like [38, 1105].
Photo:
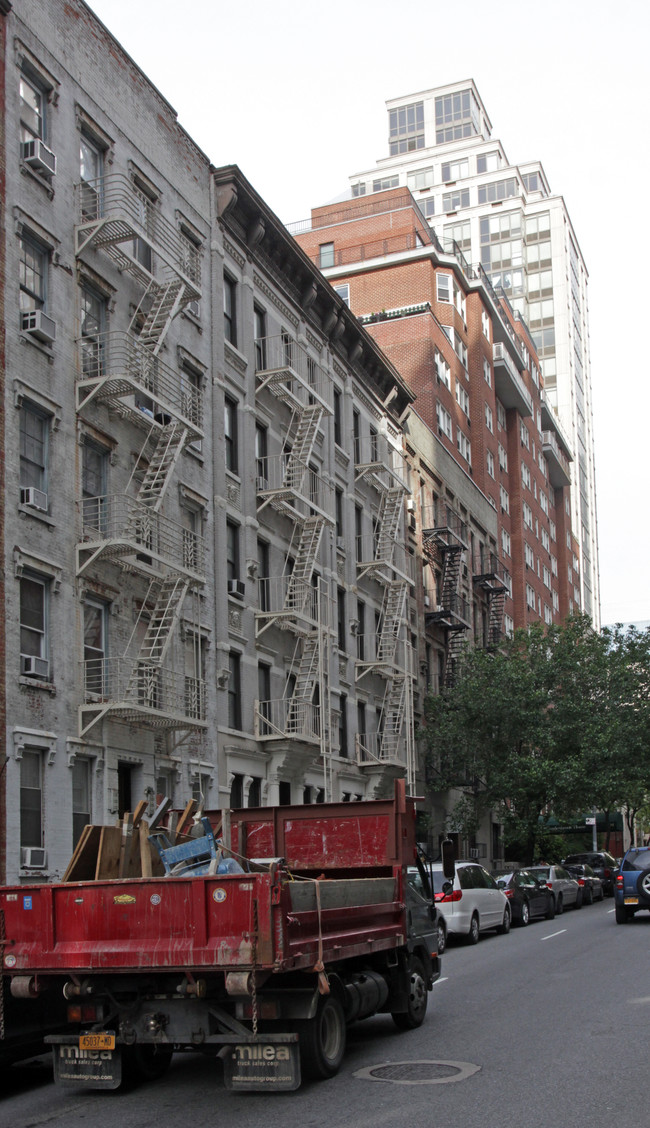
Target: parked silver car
[565, 889]
[472, 903]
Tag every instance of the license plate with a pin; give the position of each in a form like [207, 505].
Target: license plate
[630, 900]
[96, 1041]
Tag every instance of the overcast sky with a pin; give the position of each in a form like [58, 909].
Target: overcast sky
[294, 92]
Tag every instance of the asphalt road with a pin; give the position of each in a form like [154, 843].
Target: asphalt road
[543, 1026]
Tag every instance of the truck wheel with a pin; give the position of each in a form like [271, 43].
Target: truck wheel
[417, 998]
[322, 1039]
[145, 1063]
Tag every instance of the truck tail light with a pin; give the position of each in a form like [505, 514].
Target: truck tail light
[84, 1012]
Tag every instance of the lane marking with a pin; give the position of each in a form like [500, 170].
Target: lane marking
[610, 910]
[552, 934]
[643, 999]
[443, 979]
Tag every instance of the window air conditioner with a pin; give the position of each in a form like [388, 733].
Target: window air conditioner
[33, 857]
[37, 155]
[236, 588]
[340, 543]
[427, 601]
[38, 325]
[34, 667]
[36, 499]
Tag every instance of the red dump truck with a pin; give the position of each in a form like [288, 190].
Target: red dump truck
[265, 967]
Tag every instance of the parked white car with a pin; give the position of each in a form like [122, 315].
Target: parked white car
[563, 885]
[472, 903]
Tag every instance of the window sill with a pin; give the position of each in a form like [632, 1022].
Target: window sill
[29, 511]
[28, 339]
[44, 180]
[34, 683]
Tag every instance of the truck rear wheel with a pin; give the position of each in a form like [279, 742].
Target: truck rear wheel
[413, 1017]
[145, 1062]
[322, 1039]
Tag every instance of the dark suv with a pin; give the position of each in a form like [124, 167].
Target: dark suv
[632, 889]
[602, 863]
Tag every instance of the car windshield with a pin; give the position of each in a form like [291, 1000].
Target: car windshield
[542, 873]
[637, 860]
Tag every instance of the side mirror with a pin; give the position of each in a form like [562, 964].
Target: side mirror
[447, 887]
[448, 858]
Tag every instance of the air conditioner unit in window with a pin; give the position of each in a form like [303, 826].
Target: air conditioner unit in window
[37, 155]
[34, 667]
[236, 588]
[36, 499]
[427, 601]
[340, 543]
[38, 325]
[33, 857]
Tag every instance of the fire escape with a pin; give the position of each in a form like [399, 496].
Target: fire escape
[444, 542]
[492, 577]
[388, 752]
[127, 373]
[298, 725]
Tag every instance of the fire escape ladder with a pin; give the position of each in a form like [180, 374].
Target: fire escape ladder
[301, 435]
[392, 717]
[299, 588]
[164, 617]
[307, 672]
[450, 575]
[390, 511]
[169, 444]
[392, 619]
[165, 300]
[431, 551]
[495, 622]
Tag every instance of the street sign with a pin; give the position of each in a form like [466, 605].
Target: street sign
[590, 822]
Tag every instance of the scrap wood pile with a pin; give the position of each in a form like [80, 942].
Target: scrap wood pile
[106, 853]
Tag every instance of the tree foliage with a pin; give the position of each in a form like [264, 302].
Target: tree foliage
[558, 721]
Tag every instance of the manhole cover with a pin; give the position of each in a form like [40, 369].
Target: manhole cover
[418, 1072]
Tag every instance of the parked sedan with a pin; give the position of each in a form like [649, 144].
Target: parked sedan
[602, 863]
[592, 886]
[563, 886]
[472, 903]
[528, 897]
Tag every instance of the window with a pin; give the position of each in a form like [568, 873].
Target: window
[230, 435]
[81, 805]
[191, 520]
[344, 751]
[361, 630]
[91, 170]
[326, 255]
[464, 445]
[505, 542]
[263, 574]
[530, 596]
[457, 116]
[33, 275]
[406, 128]
[31, 798]
[523, 434]
[445, 426]
[455, 170]
[33, 104]
[501, 415]
[386, 182]
[485, 324]
[528, 515]
[529, 556]
[94, 484]
[338, 406]
[504, 497]
[489, 418]
[503, 457]
[452, 201]
[232, 551]
[525, 476]
[343, 291]
[356, 435]
[427, 206]
[497, 190]
[230, 309]
[144, 197]
[34, 443]
[359, 189]
[342, 623]
[34, 644]
[490, 463]
[234, 691]
[442, 369]
[259, 329]
[421, 178]
[95, 646]
[443, 287]
[261, 456]
[462, 398]
[543, 501]
[488, 162]
[358, 532]
[93, 327]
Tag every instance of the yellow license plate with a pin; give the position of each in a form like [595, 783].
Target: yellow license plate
[96, 1041]
[630, 900]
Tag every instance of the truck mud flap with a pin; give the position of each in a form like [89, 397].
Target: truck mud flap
[73, 1067]
[270, 1063]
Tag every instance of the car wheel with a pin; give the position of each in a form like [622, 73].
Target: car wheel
[622, 914]
[417, 998]
[577, 904]
[559, 906]
[602, 894]
[588, 896]
[442, 937]
[474, 934]
[643, 884]
[504, 928]
[550, 913]
[525, 914]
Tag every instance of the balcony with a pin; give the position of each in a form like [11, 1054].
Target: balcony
[489, 572]
[122, 530]
[559, 470]
[116, 370]
[508, 384]
[292, 488]
[453, 612]
[155, 696]
[381, 462]
[291, 374]
[374, 750]
[287, 719]
[383, 558]
[113, 213]
[290, 604]
[445, 528]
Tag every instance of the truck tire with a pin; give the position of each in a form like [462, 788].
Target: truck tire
[413, 1017]
[322, 1039]
[145, 1062]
